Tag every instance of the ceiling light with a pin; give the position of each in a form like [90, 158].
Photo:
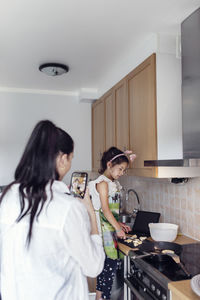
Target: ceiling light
[53, 69]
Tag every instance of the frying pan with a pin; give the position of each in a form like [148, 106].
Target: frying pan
[156, 248]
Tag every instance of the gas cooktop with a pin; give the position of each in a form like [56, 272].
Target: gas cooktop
[148, 277]
[190, 258]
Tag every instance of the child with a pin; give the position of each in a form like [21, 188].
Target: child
[105, 192]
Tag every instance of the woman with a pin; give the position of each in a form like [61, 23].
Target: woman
[49, 240]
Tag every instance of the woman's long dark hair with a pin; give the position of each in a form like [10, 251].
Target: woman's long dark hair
[37, 167]
[109, 155]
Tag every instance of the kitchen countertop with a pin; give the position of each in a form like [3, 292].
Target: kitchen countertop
[179, 289]
[182, 290]
[181, 239]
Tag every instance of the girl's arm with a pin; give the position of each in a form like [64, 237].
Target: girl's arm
[102, 189]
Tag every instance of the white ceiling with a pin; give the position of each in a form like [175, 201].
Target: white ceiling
[88, 35]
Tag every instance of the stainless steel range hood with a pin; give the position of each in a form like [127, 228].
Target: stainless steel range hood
[190, 43]
[173, 163]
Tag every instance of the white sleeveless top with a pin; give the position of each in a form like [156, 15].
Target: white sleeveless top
[113, 188]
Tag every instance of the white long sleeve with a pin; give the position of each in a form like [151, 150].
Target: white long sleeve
[86, 249]
[61, 253]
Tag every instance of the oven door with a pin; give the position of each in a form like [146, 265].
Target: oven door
[136, 291]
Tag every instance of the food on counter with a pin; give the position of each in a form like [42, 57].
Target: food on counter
[129, 241]
[142, 238]
[167, 251]
[134, 236]
[136, 241]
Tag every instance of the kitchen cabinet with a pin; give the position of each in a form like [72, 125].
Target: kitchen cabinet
[98, 133]
[109, 103]
[130, 117]
[92, 284]
[110, 122]
[141, 85]
[143, 112]
[121, 115]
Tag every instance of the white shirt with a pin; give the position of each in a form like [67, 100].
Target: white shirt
[61, 254]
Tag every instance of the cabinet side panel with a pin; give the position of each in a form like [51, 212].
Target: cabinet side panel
[122, 117]
[98, 134]
[142, 97]
[110, 120]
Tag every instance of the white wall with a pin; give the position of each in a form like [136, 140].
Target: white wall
[177, 203]
[128, 61]
[19, 112]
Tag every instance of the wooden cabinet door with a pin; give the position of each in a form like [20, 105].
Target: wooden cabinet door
[121, 116]
[98, 133]
[110, 119]
[141, 84]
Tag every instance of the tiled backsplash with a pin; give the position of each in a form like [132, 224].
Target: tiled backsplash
[177, 203]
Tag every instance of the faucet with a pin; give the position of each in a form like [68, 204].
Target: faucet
[137, 197]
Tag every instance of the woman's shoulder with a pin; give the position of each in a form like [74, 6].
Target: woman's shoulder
[62, 199]
[60, 207]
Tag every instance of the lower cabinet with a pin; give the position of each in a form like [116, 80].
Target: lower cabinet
[91, 284]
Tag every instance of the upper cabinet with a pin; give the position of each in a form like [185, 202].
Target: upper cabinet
[121, 115]
[141, 85]
[143, 113]
[98, 133]
[110, 122]
[129, 120]
[109, 104]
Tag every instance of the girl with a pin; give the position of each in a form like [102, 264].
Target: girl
[49, 240]
[105, 192]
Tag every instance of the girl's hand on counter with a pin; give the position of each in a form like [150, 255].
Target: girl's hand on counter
[125, 227]
[120, 233]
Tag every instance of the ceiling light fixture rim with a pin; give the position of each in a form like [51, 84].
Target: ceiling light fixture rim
[64, 67]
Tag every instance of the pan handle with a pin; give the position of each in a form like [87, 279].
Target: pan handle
[143, 255]
[184, 269]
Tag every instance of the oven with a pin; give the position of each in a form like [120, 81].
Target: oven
[148, 278]
[141, 283]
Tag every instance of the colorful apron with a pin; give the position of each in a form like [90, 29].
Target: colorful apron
[108, 231]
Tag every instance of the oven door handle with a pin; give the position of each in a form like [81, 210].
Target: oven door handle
[133, 289]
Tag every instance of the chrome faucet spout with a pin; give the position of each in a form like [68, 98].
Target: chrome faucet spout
[137, 197]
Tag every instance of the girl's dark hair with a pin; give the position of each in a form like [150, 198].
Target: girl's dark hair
[37, 167]
[110, 154]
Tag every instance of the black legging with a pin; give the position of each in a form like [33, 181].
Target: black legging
[105, 279]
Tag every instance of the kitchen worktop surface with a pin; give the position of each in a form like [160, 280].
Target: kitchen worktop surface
[181, 239]
[179, 289]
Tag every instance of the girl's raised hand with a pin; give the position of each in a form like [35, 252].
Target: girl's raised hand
[87, 202]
